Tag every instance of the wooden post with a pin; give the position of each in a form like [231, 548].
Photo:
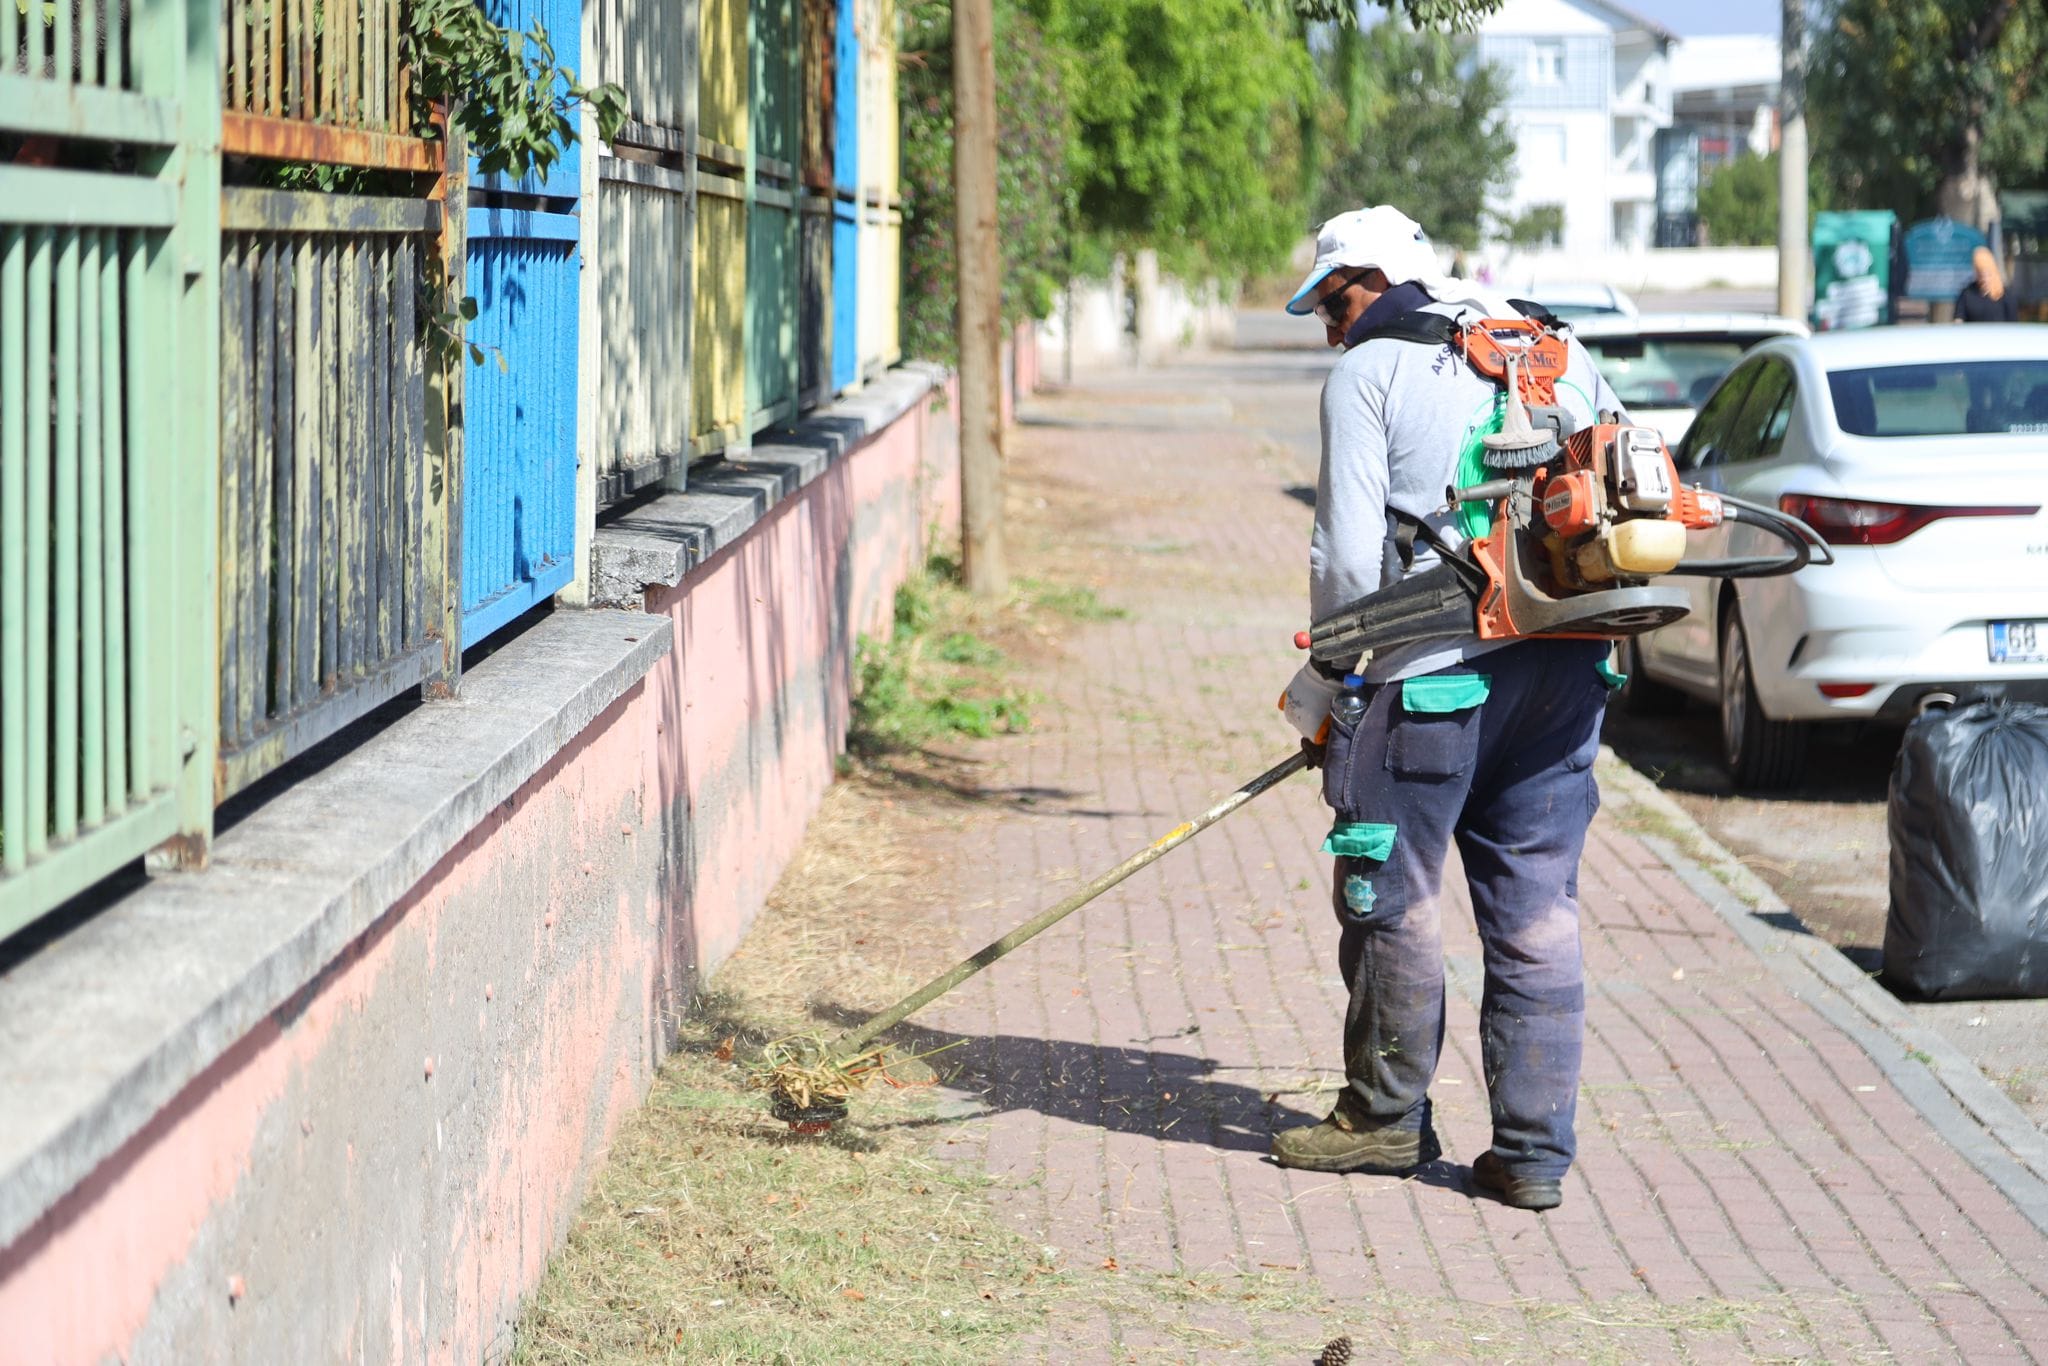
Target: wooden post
[979, 254]
[1793, 251]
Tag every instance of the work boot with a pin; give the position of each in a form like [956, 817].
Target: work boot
[1489, 1173]
[1342, 1144]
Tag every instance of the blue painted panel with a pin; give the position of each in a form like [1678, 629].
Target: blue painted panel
[846, 103]
[519, 422]
[563, 20]
[845, 295]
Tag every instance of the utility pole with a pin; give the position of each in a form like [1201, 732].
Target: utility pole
[1792, 229]
[978, 253]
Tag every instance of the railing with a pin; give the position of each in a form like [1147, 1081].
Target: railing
[881, 216]
[846, 132]
[105, 429]
[331, 595]
[333, 465]
[245, 498]
[643, 239]
[718, 393]
[814, 311]
[773, 241]
[320, 81]
[519, 403]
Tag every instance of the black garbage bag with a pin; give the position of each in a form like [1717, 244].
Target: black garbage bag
[1969, 833]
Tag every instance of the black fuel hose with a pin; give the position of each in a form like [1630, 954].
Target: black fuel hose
[1807, 545]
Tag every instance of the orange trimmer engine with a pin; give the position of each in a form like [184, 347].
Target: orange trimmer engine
[1607, 515]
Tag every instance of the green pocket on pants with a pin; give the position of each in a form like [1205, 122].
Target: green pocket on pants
[1360, 839]
[1438, 694]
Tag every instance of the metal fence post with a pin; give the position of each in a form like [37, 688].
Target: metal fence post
[442, 543]
[190, 506]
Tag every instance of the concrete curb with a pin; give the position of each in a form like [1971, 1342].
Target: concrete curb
[1963, 1106]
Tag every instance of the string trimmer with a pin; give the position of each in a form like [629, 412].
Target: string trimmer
[808, 1088]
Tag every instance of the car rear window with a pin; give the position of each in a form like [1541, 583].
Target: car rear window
[1945, 398]
[1676, 370]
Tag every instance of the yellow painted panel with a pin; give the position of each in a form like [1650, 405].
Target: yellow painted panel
[723, 72]
[718, 346]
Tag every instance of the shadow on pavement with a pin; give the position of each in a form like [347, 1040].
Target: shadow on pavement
[933, 776]
[1163, 1096]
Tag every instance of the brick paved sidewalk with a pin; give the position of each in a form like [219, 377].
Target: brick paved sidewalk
[1750, 1184]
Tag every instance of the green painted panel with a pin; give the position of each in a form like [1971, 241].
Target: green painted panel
[13, 552]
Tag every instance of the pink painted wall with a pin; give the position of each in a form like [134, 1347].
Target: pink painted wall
[382, 1169]
[767, 692]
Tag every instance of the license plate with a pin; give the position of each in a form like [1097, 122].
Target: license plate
[2019, 642]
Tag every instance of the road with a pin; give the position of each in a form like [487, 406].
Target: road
[1823, 848]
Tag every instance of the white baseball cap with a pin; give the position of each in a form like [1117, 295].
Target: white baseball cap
[1381, 236]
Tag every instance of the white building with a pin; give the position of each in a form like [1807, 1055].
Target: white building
[1588, 90]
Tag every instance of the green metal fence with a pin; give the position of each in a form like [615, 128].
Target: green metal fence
[106, 425]
[774, 244]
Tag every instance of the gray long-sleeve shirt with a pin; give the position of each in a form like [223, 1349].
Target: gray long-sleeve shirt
[1396, 414]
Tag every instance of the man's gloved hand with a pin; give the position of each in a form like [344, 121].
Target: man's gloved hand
[1313, 752]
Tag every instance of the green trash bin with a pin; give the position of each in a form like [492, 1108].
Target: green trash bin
[1852, 268]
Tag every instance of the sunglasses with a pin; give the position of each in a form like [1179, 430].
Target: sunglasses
[1328, 301]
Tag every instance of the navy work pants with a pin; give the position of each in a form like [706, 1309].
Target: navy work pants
[1510, 778]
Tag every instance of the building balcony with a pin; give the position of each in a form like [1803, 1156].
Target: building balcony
[1625, 186]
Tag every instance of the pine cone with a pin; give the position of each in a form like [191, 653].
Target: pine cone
[1337, 1352]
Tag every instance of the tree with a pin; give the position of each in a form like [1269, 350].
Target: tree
[1923, 106]
[1416, 131]
[1180, 111]
[1031, 171]
[1738, 203]
[1539, 225]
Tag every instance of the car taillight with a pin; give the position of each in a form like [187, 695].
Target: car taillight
[1850, 521]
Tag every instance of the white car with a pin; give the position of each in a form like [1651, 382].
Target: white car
[1662, 366]
[1575, 302]
[1921, 455]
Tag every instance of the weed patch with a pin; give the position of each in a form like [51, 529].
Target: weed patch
[938, 676]
[944, 672]
[1076, 601]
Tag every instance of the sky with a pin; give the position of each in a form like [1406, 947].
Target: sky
[1694, 19]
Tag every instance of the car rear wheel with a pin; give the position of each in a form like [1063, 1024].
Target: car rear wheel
[1641, 695]
[1761, 754]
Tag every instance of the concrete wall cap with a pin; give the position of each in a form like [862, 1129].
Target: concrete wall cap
[660, 542]
[104, 1025]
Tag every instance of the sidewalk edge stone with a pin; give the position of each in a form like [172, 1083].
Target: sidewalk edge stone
[1965, 1108]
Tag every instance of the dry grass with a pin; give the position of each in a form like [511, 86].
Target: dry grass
[714, 1234]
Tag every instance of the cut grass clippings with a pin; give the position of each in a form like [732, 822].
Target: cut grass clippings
[715, 1234]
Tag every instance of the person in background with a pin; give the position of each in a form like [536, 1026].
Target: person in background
[1984, 299]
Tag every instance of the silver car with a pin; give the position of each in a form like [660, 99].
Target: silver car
[1662, 366]
[1921, 455]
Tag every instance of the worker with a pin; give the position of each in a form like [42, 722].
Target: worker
[1486, 744]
